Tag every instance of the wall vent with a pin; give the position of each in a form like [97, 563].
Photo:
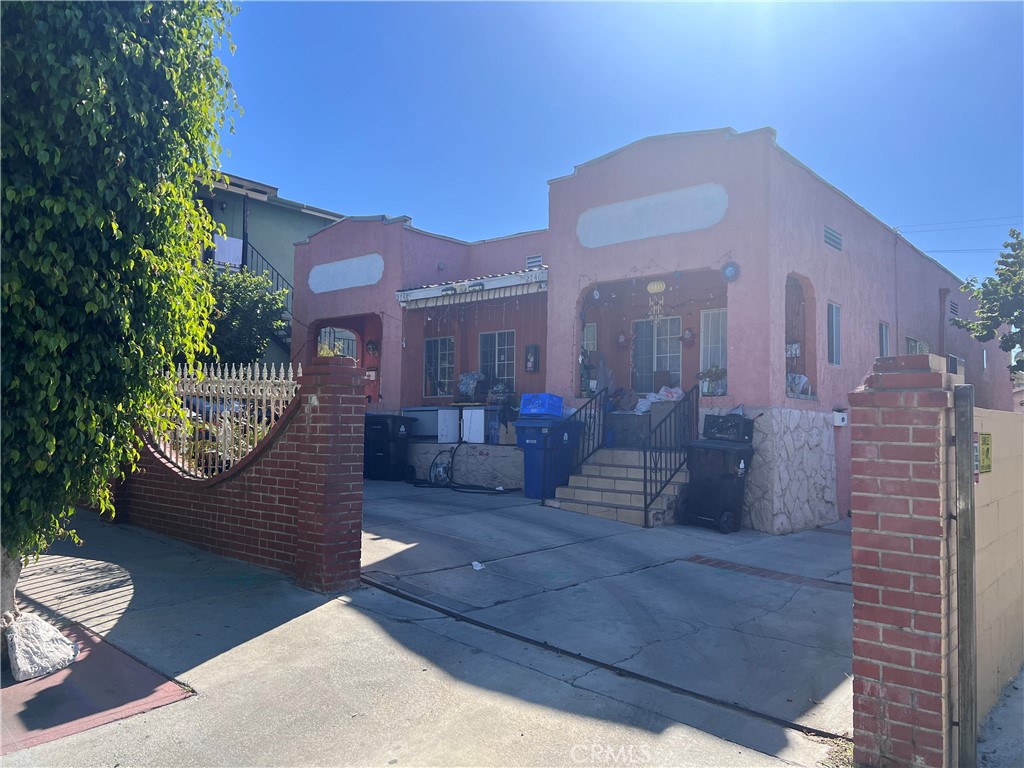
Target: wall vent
[954, 309]
[534, 261]
[833, 239]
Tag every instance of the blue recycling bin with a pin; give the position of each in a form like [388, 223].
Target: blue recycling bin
[557, 458]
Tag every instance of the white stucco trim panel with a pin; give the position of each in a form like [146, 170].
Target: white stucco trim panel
[668, 213]
[347, 273]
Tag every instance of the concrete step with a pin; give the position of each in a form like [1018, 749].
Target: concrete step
[626, 485]
[631, 515]
[611, 472]
[612, 498]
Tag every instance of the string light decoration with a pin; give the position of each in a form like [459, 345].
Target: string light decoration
[656, 299]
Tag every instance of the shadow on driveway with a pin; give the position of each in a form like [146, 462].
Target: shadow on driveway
[748, 620]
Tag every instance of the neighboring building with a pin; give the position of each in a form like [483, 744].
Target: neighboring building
[261, 230]
[705, 251]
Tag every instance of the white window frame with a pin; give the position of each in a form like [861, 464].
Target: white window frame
[440, 365]
[666, 350]
[714, 345]
[883, 339]
[835, 334]
[503, 370]
[590, 337]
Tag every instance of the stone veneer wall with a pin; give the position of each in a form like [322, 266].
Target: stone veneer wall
[792, 482]
[485, 465]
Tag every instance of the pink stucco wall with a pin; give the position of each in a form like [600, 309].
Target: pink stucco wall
[653, 166]
[765, 212]
[410, 257]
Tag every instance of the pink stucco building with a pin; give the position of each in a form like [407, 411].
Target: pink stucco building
[674, 255]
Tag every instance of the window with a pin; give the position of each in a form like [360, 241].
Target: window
[883, 339]
[834, 341]
[984, 359]
[498, 358]
[713, 351]
[915, 347]
[955, 364]
[590, 337]
[438, 366]
[656, 349]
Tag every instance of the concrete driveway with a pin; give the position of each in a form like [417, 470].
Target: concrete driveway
[760, 624]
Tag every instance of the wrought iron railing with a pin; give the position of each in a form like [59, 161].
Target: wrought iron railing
[227, 412]
[664, 447]
[257, 263]
[584, 433]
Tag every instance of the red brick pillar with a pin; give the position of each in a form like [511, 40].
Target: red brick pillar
[329, 517]
[900, 488]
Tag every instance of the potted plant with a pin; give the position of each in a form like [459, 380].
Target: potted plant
[713, 380]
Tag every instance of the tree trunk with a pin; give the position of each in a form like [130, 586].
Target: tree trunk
[11, 570]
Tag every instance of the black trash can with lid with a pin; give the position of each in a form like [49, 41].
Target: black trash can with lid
[718, 465]
[386, 446]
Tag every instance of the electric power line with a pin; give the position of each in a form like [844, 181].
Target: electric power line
[1015, 217]
[952, 229]
[962, 250]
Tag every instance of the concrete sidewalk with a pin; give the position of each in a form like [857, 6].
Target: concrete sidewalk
[287, 677]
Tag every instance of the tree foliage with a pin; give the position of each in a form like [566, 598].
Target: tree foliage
[246, 314]
[1001, 301]
[110, 115]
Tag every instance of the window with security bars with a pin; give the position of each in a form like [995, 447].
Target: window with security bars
[438, 366]
[337, 342]
[498, 358]
[915, 347]
[656, 349]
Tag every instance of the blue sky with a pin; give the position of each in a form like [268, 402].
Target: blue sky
[457, 114]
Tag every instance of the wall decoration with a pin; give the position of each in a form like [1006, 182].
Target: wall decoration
[532, 353]
[731, 271]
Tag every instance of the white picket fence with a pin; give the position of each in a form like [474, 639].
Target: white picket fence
[227, 412]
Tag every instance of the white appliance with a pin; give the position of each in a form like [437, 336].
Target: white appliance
[447, 425]
[479, 425]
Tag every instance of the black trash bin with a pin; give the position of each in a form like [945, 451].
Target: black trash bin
[718, 466]
[386, 446]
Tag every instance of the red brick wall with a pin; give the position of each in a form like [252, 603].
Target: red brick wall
[294, 505]
[901, 563]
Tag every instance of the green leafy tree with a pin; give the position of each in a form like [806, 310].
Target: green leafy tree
[246, 314]
[110, 115]
[1001, 302]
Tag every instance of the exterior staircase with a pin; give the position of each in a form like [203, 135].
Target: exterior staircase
[610, 484]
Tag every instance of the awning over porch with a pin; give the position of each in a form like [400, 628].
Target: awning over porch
[533, 280]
